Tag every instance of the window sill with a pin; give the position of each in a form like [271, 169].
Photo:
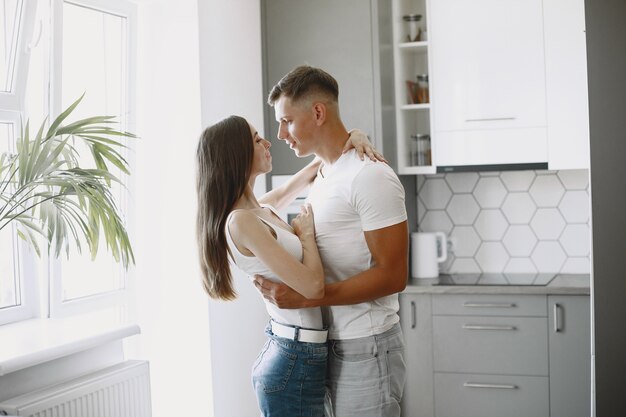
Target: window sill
[32, 342]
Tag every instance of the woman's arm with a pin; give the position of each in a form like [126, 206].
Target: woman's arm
[249, 233]
[280, 197]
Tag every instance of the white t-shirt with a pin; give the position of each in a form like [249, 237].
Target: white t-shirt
[348, 198]
[308, 318]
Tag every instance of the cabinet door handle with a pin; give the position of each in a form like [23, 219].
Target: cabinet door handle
[487, 327]
[557, 318]
[489, 305]
[413, 315]
[489, 119]
[496, 386]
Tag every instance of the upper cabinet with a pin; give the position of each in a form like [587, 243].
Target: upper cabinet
[489, 82]
[507, 84]
[566, 84]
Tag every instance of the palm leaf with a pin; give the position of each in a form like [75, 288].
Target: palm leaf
[46, 192]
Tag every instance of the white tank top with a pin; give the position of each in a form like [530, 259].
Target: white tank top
[310, 318]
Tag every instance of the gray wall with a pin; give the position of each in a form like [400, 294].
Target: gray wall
[606, 40]
[297, 32]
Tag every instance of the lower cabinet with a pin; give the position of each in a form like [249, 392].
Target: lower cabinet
[570, 350]
[495, 355]
[479, 395]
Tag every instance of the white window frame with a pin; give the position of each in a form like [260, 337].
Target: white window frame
[12, 111]
[14, 99]
[127, 9]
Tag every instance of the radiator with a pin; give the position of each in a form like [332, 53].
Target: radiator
[121, 390]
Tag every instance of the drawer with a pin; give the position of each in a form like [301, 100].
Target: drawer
[490, 305]
[492, 345]
[468, 395]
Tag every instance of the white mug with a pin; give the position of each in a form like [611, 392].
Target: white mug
[426, 253]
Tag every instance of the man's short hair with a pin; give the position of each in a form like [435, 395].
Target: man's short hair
[303, 81]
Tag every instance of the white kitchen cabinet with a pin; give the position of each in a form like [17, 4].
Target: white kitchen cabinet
[566, 84]
[488, 82]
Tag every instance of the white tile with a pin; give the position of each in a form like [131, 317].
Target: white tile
[518, 208]
[546, 190]
[576, 266]
[462, 182]
[489, 173]
[575, 240]
[492, 257]
[548, 256]
[463, 209]
[517, 180]
[519, 240]
[491, 224]
[466, 265]
[465, 241]
[547, 223]
[436, 221]
[574, 179]
[435, 193]
[489, 192]
[575, 206]
[519, 265]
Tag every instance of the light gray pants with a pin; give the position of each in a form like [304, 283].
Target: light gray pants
[366, 376]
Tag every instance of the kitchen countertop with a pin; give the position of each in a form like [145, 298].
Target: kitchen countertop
[565, 284]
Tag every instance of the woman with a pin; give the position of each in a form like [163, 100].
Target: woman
[289, 374]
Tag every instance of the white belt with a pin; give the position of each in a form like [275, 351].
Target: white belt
[299, 334]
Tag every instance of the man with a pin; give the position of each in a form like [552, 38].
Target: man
[362, 235]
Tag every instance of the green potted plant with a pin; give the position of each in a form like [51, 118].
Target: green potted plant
[46, 192]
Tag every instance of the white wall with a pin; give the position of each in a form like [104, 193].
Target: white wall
[171, 308]
[231, 80]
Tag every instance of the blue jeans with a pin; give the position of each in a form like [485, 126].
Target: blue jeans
[289, 377]
[366, 375]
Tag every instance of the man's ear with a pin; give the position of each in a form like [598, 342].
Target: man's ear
[319, 111]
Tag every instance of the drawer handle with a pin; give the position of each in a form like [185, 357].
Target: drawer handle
[413, 315]
[496, 386]
[487, 327]
[489, 305]
[490, 119]
[557, 318]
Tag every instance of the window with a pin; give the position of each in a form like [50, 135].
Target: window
[92, 56]
[9, 274]
[89, 45]
[17, 298]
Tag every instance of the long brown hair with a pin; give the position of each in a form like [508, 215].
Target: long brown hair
[224, 161]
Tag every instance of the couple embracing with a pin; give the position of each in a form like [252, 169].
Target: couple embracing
[330, 279]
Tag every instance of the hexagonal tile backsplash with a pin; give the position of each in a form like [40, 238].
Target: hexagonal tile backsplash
[511, 221]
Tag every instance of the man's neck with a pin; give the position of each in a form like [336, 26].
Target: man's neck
[332, 146]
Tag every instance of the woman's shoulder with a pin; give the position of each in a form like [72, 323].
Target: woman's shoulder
[241, 218]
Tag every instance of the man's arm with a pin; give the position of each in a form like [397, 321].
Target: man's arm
[389, 248]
